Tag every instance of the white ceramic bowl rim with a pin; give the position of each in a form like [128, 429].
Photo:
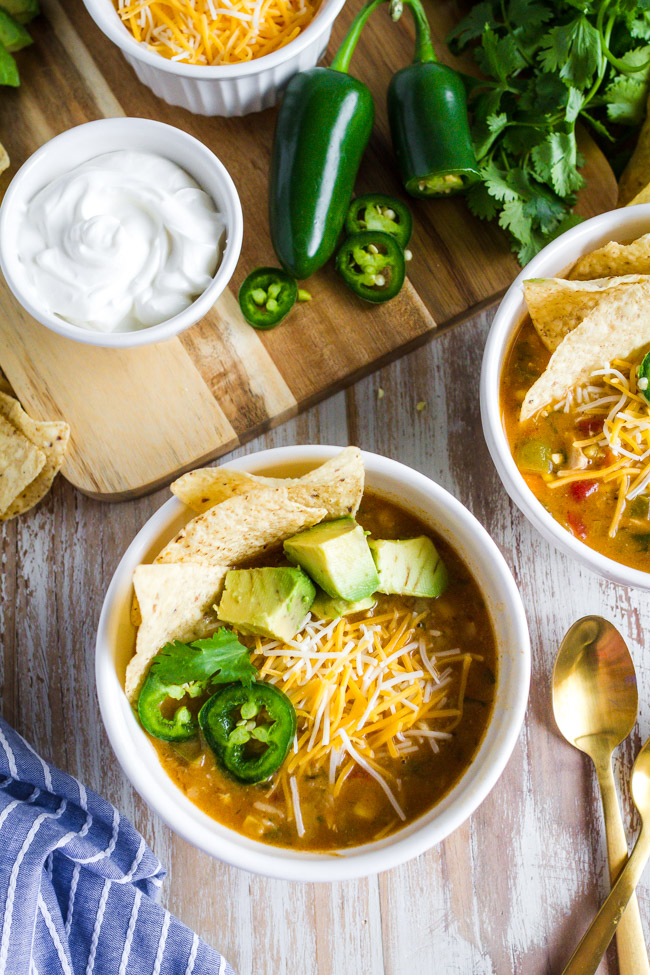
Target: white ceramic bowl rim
[416, 837]
[624, 224]
[125, 132]
[107, 19]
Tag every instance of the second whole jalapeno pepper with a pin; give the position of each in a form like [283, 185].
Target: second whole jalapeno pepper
[429, 124]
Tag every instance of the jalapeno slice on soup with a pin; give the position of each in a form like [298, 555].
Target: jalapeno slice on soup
[328, 686]
[575, 402]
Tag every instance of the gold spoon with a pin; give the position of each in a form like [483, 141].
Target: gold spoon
[595, 704]
[588, 954]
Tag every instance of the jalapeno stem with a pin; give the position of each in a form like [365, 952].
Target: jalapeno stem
[344, 54]
[424, 52]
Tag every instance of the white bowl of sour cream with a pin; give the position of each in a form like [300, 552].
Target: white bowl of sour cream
[120, 232]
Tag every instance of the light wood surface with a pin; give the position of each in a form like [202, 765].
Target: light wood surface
[221, 382]
[511, 892]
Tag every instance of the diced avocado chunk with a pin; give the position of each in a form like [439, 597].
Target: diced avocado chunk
[337, 557]
[12, 34]
[329, 608]
[8, 68]
[21, 10]
[409, 566]
[272, 601]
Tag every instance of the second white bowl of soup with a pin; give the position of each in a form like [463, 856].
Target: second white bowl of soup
[380, 695]
[578, 466]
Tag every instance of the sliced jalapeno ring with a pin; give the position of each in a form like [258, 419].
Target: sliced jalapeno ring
[249, 729]
[267, 296]
[372, 264]
[181, 725]
[376, 211]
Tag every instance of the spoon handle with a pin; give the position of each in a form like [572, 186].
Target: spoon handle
[587, 956]
[630, 940]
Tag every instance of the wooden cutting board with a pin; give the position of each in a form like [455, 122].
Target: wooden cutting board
[141, 416]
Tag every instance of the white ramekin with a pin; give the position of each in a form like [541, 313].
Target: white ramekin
[138, 759]
[230, 89]
[622, 225]
[84, 142]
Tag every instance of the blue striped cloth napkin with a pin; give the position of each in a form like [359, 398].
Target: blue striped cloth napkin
[78, 884]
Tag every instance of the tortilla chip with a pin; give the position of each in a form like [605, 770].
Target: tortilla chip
[240, 528]
[614, 259]
[20, 462]
[618, 326]
[51, 437]
[336, 485]
[176, 604]
[201, 489]
[636, 174]
[557, 306]
[4, 158]
[643, 196]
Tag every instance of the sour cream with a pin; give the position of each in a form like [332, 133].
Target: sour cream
[122, 242]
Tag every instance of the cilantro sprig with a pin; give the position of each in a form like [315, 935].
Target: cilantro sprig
[548, 65]
[218, 659]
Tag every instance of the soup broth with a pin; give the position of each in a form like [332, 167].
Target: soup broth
[323, 799]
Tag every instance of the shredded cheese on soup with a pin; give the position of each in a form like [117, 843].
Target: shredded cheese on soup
[213, 32]
[364, 690]
[612, 395]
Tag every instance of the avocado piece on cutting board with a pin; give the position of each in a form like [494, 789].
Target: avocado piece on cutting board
[21, 10]
[409, 566]
[337, 557]
[271, 601]
[326, 607]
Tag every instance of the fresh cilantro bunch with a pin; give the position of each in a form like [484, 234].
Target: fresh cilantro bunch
[547, 65]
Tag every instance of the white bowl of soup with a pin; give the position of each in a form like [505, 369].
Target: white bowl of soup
[329, 813]
[569, 469]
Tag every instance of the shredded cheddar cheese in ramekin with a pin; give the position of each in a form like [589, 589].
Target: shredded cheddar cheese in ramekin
[214, 32]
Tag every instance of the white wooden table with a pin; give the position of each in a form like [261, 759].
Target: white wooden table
[509, 892]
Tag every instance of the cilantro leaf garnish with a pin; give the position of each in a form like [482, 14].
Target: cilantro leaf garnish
[217, 659]
[547, 66]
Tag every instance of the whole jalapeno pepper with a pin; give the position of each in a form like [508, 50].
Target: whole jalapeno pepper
[429, 125]
[249, 729]
[323, 127]
[376, 211]
[372, 264]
